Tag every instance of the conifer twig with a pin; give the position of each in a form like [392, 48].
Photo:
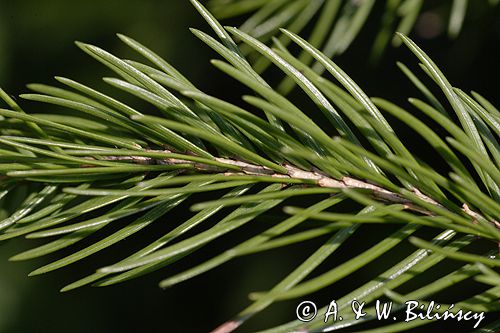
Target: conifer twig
[320, 178]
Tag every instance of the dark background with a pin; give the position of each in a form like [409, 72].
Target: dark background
[36, 43]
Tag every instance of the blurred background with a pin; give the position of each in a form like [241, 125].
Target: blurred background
[36, 43]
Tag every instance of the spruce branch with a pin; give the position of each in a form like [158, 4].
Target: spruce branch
[317, 177]
[113, 163]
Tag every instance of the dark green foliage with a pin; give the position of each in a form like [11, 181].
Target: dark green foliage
[106, 161]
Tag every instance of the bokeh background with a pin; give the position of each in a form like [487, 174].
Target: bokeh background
[36, 43]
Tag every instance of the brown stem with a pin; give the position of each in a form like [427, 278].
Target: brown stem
[317, 176]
